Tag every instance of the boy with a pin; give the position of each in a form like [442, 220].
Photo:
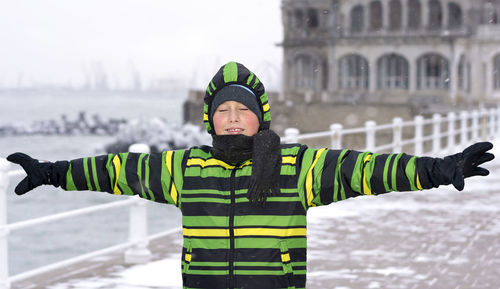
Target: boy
[244, 200]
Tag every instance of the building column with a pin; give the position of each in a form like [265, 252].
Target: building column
[425, 14]
[412, 71]
[476, 73]
[366, 21]
[454, 60]
[332, 70]
[385, 15]
[489, 80]
[446, 15]
[372, 84]
[404, 15]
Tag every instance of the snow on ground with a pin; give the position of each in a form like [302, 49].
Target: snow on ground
[402, 240]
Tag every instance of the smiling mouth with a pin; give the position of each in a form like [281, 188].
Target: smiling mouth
[234, 131]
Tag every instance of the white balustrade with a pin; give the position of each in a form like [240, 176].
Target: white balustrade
[419, 135]
[336, 138]
[436, 133]
[451, 131]
[397, 129]
[370, 135]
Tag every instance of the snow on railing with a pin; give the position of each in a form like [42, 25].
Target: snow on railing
[474, 126]
[484, 125]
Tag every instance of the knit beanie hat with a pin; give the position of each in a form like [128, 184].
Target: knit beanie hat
[237, 93]
[234, 81]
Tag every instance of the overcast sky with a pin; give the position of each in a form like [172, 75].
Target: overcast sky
[61, 41]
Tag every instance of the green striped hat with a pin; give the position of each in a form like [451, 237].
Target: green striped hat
[236, 73]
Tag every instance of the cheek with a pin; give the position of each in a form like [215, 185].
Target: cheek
[252, 123]
[218, 123]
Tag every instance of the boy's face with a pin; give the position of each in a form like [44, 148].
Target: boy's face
[232, 117]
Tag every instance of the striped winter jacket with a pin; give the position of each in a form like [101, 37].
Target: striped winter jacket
[229, 242]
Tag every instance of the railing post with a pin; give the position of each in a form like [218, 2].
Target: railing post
[138, 226]
[370, 135]
[483, 123]
[451, 131]
[397, 130]
[475, 125]
[419, 135]
[497, 114]
[464, 115]
[336, 129]
[292, 135]
[491, 123]
[436, 133]
[4, 232]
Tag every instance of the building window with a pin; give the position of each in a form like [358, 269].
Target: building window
[463, 74]
[455, 18]
[353, 72]
[496, 72]
[435, 15]
[392, 72]
[306, 73]
[433, 72]
[414, 14]
[376, 16]
[312, 18]
[357, 19]
[395, 12]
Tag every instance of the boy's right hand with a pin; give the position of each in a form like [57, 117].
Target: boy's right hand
[38, 173]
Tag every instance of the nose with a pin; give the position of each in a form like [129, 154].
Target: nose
[233, 115]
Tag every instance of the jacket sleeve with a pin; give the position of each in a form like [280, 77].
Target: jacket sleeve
[335, 175]
[155, 176]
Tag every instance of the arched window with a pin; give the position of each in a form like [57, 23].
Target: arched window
[496, 72]
[376, 15]
[414, 14]
[357, 19]
[463, 74]
[312, 18]
[455, 18]
[307, 73]
[395, 12]
[435, 15]
[433, 72]
[353, 72]
[392, 72]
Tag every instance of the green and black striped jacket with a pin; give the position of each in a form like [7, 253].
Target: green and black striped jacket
[229, 242]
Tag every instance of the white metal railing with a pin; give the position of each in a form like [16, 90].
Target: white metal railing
[138, 240]
[473, 126]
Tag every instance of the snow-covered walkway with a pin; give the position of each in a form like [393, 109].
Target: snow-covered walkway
[433, 239]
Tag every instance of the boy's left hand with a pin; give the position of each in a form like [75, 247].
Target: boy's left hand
[466, 164]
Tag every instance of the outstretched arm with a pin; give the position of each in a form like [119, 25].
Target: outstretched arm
[340, 174]
[151, 176]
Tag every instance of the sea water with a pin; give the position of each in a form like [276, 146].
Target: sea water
[33, 247]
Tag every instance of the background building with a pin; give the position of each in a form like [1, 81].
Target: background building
[348, 61]
[419, 51]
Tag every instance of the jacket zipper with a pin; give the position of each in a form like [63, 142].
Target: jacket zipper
[231, 229]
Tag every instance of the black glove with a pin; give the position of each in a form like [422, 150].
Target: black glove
[38, 173]
[453, 169]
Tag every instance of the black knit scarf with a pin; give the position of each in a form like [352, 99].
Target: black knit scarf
[264, 150]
